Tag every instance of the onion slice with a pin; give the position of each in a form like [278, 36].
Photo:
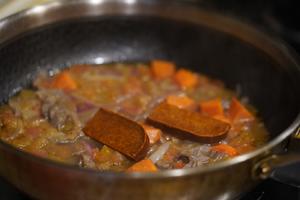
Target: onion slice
[158, 154]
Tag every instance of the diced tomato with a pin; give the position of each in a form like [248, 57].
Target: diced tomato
[238, 112]
[154, 134]
[185, 78]
[64, 81]
[212, 107]
[162, 69]
[145, 165]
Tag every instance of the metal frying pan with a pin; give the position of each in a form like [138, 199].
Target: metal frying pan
[99, 31]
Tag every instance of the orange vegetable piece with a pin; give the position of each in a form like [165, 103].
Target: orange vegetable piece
[145, 165]
[212, 107]
[154, 134]
[64, 81]
[187, 123]
[162, 69]
[185, 78]
[119, 133]
[224, 148]
[238, 112]
[183, 102]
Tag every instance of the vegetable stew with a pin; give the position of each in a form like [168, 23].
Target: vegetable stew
[133, 117]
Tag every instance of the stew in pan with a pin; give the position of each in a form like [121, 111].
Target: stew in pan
[131, 117]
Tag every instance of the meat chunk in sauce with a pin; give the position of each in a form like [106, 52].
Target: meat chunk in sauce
[60, 111]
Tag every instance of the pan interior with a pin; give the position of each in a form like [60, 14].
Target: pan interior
[270, 87]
